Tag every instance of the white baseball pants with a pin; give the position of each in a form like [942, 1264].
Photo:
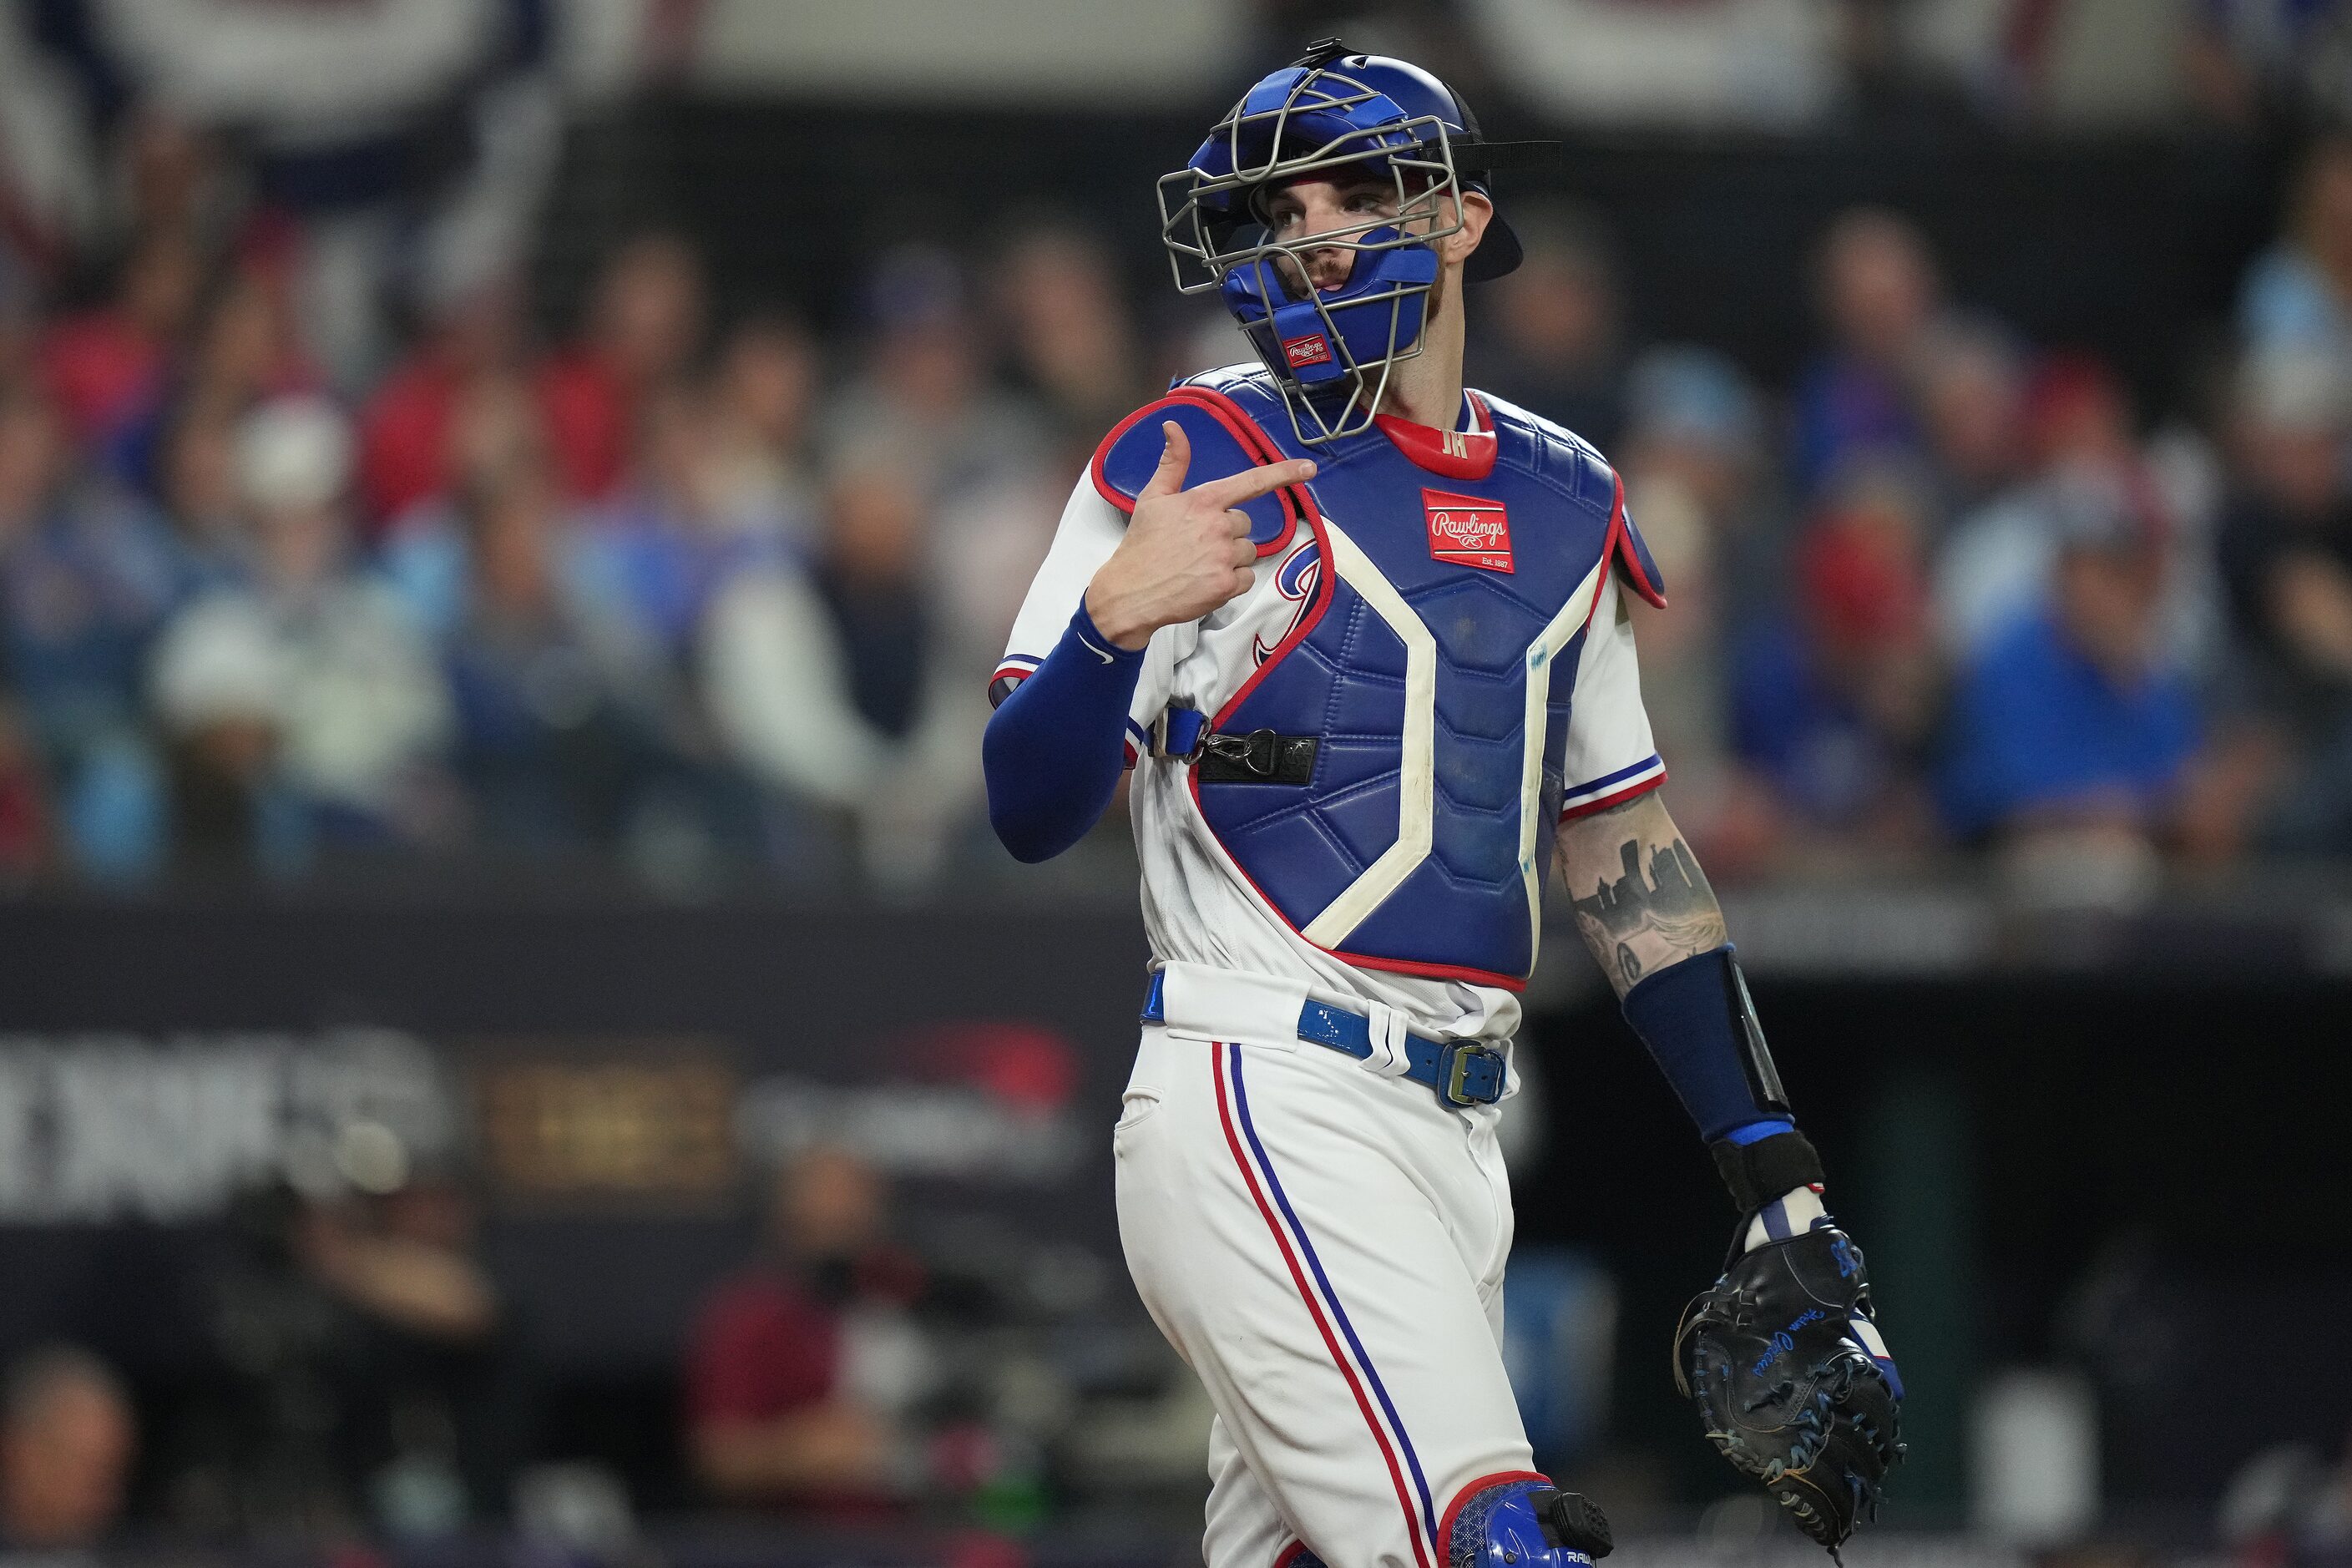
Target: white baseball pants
[1325, 1247]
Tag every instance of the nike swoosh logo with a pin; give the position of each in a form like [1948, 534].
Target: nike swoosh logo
[1090, 647]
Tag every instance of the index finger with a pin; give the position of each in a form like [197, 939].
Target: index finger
[1252, 483]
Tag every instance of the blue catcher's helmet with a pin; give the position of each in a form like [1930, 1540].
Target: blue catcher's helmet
[1330, 349]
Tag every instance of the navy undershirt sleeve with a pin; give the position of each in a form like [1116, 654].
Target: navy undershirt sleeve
[1055, 746]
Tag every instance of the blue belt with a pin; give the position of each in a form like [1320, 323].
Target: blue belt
[1462, 1072]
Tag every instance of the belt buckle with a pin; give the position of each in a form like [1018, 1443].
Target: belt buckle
[1453, 1060]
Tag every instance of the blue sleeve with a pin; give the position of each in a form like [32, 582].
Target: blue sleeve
[1057, 744]
[1696, 1020]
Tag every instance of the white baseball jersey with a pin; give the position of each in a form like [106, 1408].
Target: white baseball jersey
[1321, 1238]
[1197, 908]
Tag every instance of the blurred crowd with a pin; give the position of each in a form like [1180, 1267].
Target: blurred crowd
[1961, 591]
[704, 592]
[351, 1379]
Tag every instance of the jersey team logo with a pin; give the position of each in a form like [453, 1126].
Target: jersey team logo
[1296, 581]
[1469, 530]
[1313, 349]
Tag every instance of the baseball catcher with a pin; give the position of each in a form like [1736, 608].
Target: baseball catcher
[1362, 637]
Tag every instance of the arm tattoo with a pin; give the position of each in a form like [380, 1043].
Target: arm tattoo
[1651, 916]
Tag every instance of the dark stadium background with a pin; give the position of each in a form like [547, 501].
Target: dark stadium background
[2099, 1140]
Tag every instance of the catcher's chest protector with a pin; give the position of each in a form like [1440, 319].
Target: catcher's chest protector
[1444, 609]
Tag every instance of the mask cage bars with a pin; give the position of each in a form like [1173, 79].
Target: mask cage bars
[1417, 146]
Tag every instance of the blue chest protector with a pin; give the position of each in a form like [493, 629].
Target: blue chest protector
[1434, 666]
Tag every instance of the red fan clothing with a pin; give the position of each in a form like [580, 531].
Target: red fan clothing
[588, 410]
[101, 368]
[762, 1347]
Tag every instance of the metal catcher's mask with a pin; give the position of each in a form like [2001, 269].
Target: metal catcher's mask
[1333, 115]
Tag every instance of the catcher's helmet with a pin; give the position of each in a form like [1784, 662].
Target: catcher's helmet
[1330, 349]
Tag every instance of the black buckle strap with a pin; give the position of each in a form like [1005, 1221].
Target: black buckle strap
[1262, 756]
[1759, 1171]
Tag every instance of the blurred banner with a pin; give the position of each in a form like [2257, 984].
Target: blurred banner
[616, 1087]
[1071, 52]
[612, 1084]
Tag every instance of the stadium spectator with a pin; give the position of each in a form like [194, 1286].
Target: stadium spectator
[870, 578]
[1834, 701]
[1551, 338]
[645, 322]
[382, 138]
[1068, 335]
[196, 490]
[2252, 61]
[2297, 295]
[1997, 565]
[1696, 427]
[404, 429]
[646, 565]
[491, 435]
[762, 399]
[1970, 379]
[2072, 724]
[106, 364]
[838, 682]
[780, 688]
[1879, 296]
[2286, 561]
[420, 1355]
[921, 388]
[23, 813]
[1698, 485]
[802, 1368]
[653, 555]
[304, 704]
[362, 1363]
[553, 713]
[244, 347]
[175, 178]
[67, 1439]
[86, 582]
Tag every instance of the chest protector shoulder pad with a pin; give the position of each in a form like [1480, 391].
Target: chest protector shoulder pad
[1450, 593]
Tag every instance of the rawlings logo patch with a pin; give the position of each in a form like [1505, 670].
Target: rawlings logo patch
[1469, 530]
[1313, 349]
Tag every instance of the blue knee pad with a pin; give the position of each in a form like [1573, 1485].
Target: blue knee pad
[1527, 1524]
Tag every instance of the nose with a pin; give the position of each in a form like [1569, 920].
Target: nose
[1327, 265]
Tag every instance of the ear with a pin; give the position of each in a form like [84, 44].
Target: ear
[1476, 212]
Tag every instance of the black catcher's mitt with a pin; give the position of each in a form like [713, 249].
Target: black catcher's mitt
[1791, 1387]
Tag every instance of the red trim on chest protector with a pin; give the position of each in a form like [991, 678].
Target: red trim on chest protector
[1238, 424]
[1618, 550]
[1456, 454]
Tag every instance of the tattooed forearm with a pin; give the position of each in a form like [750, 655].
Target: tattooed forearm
[1641, 900]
